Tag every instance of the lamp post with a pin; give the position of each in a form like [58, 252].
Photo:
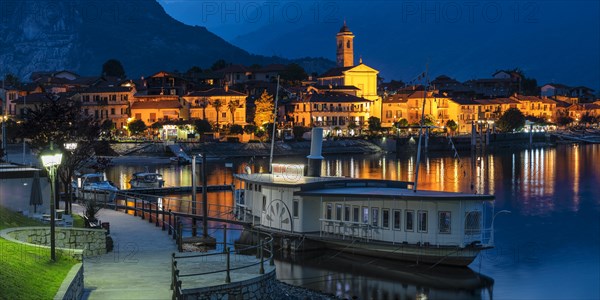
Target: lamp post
[71, 147]
[51, 160]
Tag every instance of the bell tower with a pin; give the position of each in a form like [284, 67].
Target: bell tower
[345, 47]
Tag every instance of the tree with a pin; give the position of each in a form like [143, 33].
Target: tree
[293, 73]
[236, 129]
[218, 65]
[512, 119]
[113, 68]
[137, 127]
[299, 131]
[250, 129]
[11, 80]
[264, 107]
[217, 104]
[60, 121]
[587, 119]
[564, 120]
[401, 123]
[374, 124]
[450, 124]
[232, 106]
[202, 126]
[203, 103]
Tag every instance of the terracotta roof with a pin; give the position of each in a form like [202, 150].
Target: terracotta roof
[216, 92]
[161, 104]
[464, 101]
[335, 97]
[107, 89]
[497, 101]
[339, 71]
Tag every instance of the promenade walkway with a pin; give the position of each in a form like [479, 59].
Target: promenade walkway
[139, 267]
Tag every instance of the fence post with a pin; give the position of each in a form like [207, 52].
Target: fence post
[163, 218]
[262, 259]
[272, 261]
[179, 238]
[170, 215]
[135, 207]
[173, 268]
[143, 208]
[156, 215]
[149, 212]
[227, 278]
[225, 238]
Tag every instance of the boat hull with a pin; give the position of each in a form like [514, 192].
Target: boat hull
[452, 256]
[96, 195]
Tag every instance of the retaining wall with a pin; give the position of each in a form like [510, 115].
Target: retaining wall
[72, 287]
[77, 242]
[258, 288]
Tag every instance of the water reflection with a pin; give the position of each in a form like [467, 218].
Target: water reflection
[355, 277]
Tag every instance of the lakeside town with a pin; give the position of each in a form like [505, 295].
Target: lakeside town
[239, 104]
[236, 102]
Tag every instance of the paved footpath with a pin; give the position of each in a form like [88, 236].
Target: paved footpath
[139, 267]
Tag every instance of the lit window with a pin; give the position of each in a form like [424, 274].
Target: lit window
[410, 218]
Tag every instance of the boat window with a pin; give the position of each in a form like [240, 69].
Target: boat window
[260, 188]
[249, 186]
[295, 208]
[338, 212]
[385, 218]
[328, 211]
[355, 212]
[375, 216]
[422, 221]
[347, 213]
[444, 221]
[473, 222]
[365, 215]
[264, 203]
[410, 218]
[397, 219]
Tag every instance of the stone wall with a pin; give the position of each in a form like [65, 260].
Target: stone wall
[73, 241]
[72, 287]
[261, 287]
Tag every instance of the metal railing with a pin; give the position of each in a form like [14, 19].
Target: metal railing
[262, 245]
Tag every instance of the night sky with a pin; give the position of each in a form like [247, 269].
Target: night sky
[552, 41]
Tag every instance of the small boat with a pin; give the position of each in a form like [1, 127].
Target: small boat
[146, 180]
[94, 186]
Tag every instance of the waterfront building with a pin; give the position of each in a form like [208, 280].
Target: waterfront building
[230, 106]
[157, 108]
[408, 104]
[106, 103]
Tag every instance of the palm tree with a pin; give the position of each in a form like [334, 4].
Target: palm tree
[233, 105]
[203, 103]
[217, 104]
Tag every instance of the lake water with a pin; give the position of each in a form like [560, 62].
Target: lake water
[548, 247]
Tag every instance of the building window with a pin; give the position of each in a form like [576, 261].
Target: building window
[365, 215]
[249, 186]
[473, 222]
[338, 212]
[410, 218]
[385, 218]
[355, 212]
[152, 117]
[138, 116]
[422, 221]
[444, 222]
[347, 213]
[328, 211]
[375, 216]
[397, 219]
[388, 114]
[112, 111]
[264, 203]
[295, 208]
[224, 115]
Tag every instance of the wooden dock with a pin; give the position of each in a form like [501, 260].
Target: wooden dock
[175, 190]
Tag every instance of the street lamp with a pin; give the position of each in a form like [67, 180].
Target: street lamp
[71, 147]
[51, 160]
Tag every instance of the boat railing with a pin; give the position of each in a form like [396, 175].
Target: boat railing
[247, 259]
[349, 229]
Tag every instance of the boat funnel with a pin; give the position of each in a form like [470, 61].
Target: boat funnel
[315, 158]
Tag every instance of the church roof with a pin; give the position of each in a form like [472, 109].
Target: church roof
[339, 71]
[345, 28]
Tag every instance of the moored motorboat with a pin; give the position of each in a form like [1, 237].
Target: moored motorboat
[94, 186]
[146, 180]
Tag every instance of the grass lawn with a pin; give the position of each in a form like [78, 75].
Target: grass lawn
[26, 272]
